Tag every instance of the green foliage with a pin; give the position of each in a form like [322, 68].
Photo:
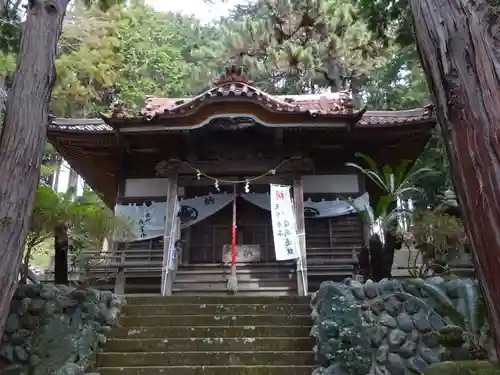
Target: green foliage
[124, 55]
[103, 5]
[150, 57]
[10, 30]
[86, 64]
[292, 45]
[43, 220]
[435, 184]
[439, 239]
[385, 15]
[398, 84]
[7, 64]
[87, 218]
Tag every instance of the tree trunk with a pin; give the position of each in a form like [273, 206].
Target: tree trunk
[457, 43]
[26, 264]
[61, 248]
[23, 136]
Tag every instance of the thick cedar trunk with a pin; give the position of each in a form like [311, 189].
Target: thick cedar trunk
[457, 43]
[23, 136]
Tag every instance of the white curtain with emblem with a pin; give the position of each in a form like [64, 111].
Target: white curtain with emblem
[317, 210]
[148, 220]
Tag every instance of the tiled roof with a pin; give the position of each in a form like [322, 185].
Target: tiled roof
[339, 103]
[402, 117]
[370, 119]
[234, 88]
[84, 125]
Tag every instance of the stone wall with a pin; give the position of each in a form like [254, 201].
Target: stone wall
[385, 328]
[55, 330]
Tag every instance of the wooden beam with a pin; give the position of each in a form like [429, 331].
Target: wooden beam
[298, 199]
[191, 181]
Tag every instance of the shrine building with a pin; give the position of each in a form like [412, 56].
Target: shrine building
[172, 168]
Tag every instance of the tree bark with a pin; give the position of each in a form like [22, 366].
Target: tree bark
[23, 136]
[458, 45]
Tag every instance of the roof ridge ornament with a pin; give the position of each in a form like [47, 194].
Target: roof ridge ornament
[234, 72]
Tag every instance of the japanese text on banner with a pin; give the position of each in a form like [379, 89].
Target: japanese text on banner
[283, 221]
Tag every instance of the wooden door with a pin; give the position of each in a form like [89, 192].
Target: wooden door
[208, 237]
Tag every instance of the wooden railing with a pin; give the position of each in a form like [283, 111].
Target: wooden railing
[31, 278]
[108, 265]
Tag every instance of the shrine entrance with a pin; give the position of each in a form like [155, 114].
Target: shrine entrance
[209, 241]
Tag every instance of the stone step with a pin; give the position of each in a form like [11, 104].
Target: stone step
[246, 276]
[209, 370]
[133, 346]
[261, 292]
[216, 320]
[160, 300]
[211, 331]
[193, 270]
[197, 309]
[243, 286]
[214, 358]
[240, 266]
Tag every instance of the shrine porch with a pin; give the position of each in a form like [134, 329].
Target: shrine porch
[332, 245]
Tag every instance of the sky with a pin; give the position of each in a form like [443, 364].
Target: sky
[205, 12]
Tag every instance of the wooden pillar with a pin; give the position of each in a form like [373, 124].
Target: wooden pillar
[120, 279]
[113, 247]
[168, 240]
[298, 197]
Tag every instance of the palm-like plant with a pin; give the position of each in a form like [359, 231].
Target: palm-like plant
[395, 183]
[85, 220]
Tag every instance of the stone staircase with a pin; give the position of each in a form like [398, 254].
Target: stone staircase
[254, 279]
[210, 335]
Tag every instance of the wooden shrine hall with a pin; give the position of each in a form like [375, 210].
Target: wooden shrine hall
[177, 154]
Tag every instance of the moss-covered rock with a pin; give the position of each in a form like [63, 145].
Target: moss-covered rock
[55, 329]
[451, 336]
[463, 368]
[405, 328]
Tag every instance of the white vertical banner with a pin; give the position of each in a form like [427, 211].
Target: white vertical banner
[284, 223]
